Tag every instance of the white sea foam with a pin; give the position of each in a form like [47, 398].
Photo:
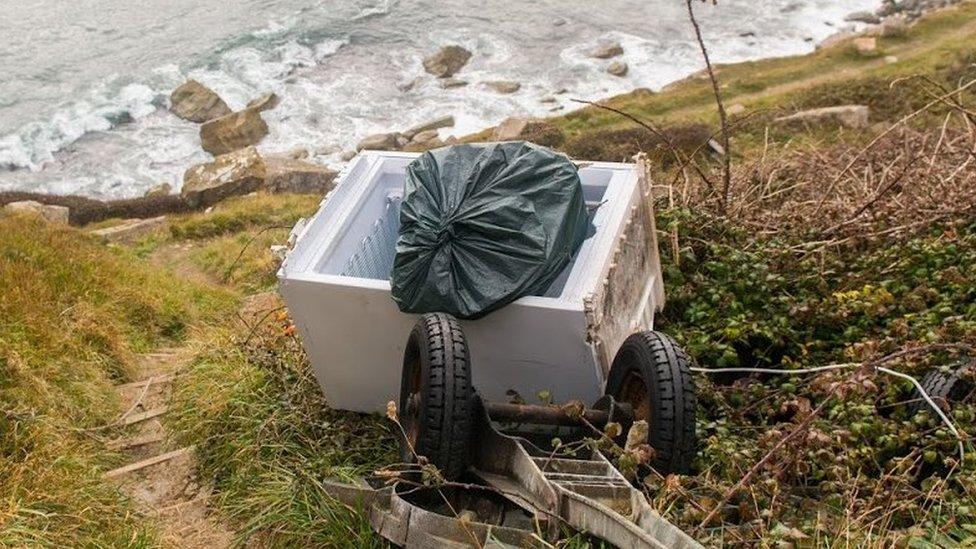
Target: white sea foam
[376, 8]
[341, 82]
[36, 143]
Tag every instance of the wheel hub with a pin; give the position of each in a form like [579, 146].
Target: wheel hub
[634, 392]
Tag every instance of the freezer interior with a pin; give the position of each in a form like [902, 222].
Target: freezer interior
[366, 246]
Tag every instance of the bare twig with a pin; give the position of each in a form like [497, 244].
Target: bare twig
[877, 196]
[723, 117]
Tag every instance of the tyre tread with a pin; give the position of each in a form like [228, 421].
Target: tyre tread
[672, 396]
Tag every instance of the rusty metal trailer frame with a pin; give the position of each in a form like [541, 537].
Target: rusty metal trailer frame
[588, 494]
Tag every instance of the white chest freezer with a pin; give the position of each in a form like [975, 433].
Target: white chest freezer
[335, 282]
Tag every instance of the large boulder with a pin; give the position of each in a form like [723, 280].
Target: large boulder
[380, 142]
[447, 61]
[287, 175]
[435, 124]
[850, 116]
[197, 103]
[233, 131]
[235, 173]
[57, 215]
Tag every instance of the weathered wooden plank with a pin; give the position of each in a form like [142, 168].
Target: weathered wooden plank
[143, 416]
[125, 443]
[132, 467]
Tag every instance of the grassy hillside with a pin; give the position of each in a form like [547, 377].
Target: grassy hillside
[941, 45]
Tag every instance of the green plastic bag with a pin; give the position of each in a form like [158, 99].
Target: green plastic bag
[483, 225]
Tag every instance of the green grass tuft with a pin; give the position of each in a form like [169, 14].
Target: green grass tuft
[266, 435]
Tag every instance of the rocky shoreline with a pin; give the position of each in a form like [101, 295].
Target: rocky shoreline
[238, 168]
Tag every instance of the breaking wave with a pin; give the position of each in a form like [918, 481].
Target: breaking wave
[35, 143]
[253, 67]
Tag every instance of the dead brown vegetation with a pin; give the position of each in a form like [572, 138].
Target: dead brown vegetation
[620, 145]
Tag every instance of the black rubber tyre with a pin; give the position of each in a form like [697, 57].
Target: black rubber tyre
[950, 387]
[436, 398]
[653, 374]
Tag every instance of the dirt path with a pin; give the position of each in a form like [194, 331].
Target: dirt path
[161, 478]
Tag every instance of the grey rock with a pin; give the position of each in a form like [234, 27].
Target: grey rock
[537, 130]
[617, 68]
[379, 142]
[504, 86]
[407, 85]
[606, 50]
[131, 230]
[266, 102]
[863, 17]
[895, 26]
[163, 189]
[448, 83]
[288, 175]
[424, 137]
[835, 39]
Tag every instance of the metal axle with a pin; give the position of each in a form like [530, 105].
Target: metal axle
[551, 415]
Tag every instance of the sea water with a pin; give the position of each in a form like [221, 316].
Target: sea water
[86, 82]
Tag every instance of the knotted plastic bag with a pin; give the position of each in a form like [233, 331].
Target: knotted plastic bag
[482, 225]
